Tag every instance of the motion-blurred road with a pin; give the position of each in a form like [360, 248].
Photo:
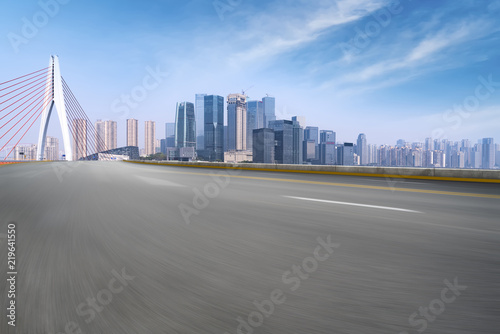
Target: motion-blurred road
[115, 247]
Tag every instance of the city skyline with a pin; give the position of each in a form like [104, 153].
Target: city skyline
[414, 70]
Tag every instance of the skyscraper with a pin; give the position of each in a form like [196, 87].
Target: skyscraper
[185, 125]
[214, 127]
[236, 122]
[362, 149]
[79, 132]
[199, 105]
[488, 153]
[263, 146]
[149, 137]
[327, 147]
[269, 104]
[255, 119]
[283, 135]
[298, 139]
[132, 133]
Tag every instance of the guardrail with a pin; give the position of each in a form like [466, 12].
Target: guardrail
[441, 174]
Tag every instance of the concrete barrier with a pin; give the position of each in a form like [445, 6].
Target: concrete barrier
[443, 174]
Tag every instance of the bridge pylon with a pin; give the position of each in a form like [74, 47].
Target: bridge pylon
[54, 89]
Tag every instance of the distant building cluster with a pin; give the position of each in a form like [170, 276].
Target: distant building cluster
[250, 132]
[437, 153]
[28, 151]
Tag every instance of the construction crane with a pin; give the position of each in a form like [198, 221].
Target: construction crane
[243, 91]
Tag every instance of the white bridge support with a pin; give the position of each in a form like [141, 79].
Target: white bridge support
[54, 87]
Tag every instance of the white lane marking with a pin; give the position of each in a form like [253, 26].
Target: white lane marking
[158, 182]
[353, 204]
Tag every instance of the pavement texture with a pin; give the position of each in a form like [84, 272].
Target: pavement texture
[116, 247]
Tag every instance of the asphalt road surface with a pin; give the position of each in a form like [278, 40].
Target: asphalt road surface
[115, 247]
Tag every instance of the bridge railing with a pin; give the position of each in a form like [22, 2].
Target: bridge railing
[444, 174]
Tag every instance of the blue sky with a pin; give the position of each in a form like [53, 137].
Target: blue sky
[408, 69]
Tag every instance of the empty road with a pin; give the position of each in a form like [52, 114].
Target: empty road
[116, 247]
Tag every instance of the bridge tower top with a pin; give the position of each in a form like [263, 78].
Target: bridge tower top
[54, 89]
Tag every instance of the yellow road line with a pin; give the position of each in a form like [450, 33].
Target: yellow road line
[417, 177]
[347, 185]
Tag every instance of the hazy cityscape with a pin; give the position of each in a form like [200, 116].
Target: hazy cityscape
[251, 133]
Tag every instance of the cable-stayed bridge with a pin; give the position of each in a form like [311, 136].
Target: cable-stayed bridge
[34, 96]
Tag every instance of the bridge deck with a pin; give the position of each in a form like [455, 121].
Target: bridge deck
[203, 245]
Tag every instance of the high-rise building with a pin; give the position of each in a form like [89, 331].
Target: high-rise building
[347, 154]
[437, 145]
[255, 120]
[438, 159]
[269, 104]
[26, 152]
[51, 148]
[458, 160]
[185, 125]
[100, 135]
[236, 122]
[309, 151]
[169, 130]
[149, 137]
[298, 139]
[199, 106]
[110, 136]
[225, 138]
[214, 127]
[429, 144]
[497, 155]
[301, 120]
[132, 132]
[283, 136]
[311, 154]
[157, 145]
[488, 153]
[163, 146]
[362, 149]
[263, 146]
[79, 131]
[327, 147]
[105, 135]
[169, 134]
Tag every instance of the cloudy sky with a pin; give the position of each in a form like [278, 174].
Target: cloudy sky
[408, 69]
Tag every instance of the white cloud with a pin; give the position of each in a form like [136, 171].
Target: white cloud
[441, 40]
[271, 37]
[422, 56]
